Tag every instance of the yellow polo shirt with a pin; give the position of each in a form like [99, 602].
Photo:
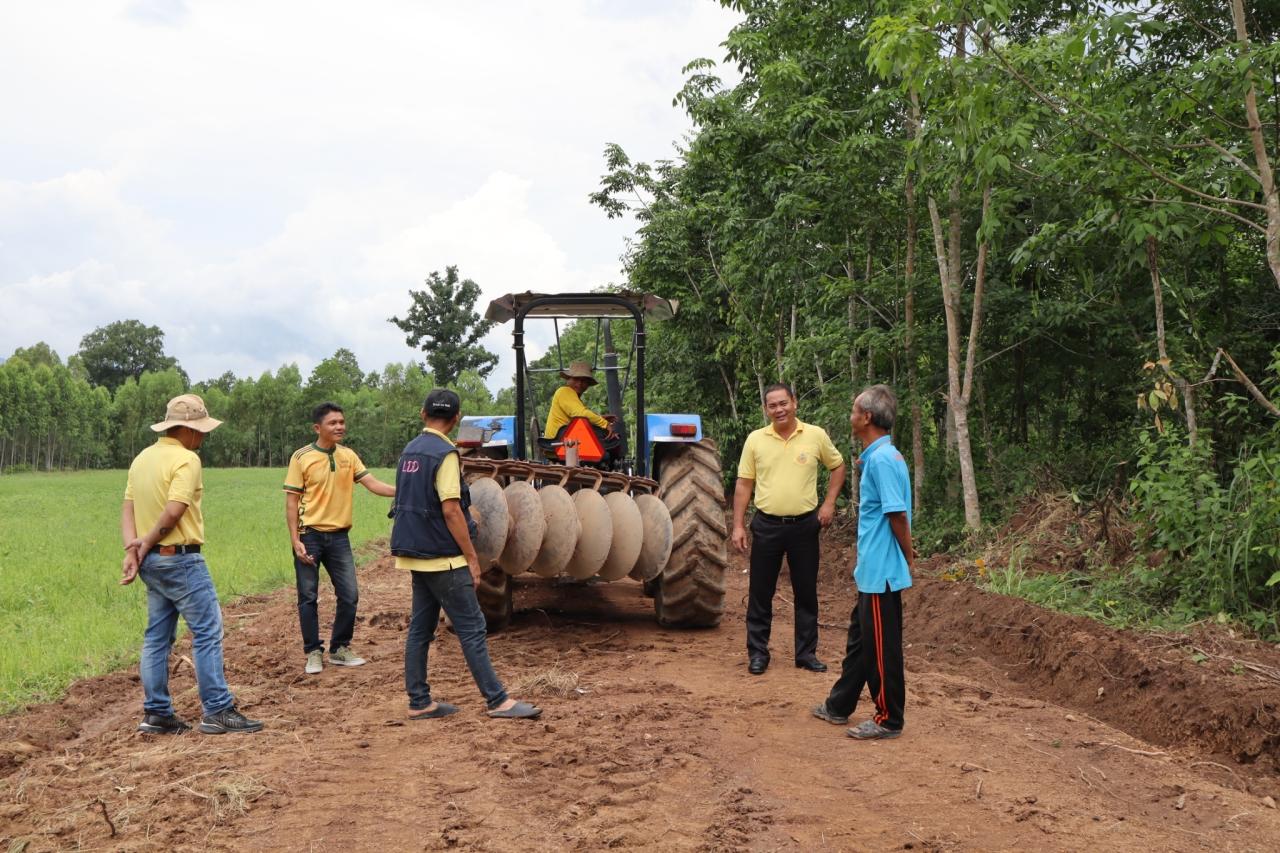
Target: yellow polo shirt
[786, 472]
[565, 406]
[448, 487]
[325, 480]
[167, 471]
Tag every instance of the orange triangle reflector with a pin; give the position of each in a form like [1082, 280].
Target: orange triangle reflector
[589, 447]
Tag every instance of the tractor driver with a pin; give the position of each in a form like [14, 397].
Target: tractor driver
[566, 404]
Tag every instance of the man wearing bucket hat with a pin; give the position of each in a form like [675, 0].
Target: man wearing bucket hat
[162, 499]
[566, 404]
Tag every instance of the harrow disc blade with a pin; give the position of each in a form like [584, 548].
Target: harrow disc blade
[492, 518]
[597, 534]
[563, 530]
[656, 549]
[528, 524]
[628, 535]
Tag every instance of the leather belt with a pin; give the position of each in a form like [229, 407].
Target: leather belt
[786, 519]
[171, 550]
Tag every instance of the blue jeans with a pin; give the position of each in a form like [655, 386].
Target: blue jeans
[456, 593]
[181, 586]
[332, 550]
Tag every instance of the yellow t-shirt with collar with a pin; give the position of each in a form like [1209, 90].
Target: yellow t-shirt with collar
[167, 471]
[786, 471]
[448, 487]
[565, 406]
[325, 482]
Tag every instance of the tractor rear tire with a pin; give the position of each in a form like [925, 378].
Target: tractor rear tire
[494, 594]
[689, 592]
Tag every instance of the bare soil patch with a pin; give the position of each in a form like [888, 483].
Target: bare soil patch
[659, 739]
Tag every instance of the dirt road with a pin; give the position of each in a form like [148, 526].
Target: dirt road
[1025, 730]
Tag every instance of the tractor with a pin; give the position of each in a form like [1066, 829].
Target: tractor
[563, 509]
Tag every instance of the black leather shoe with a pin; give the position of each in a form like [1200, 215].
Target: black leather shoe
[757, 665]
[812, 664]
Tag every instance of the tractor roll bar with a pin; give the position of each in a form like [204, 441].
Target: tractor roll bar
[582, 299]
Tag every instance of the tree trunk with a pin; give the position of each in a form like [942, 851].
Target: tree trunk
[1184, 389]
[1263, 163]
[853, 350]
[871, 319]
[728, 390]
[913, 390]
[960, 384]
[778, 348]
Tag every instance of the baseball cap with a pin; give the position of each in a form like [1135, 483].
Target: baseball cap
[442, 403]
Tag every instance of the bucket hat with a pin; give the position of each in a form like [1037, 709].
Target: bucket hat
[579, 370]
[187, 410]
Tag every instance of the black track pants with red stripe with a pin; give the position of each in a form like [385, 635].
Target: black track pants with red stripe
[873, 657]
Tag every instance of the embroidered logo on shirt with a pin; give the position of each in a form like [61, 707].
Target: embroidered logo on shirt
[802, 458]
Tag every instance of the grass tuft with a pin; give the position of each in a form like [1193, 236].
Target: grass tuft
[554, 682]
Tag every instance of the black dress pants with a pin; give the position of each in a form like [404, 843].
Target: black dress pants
[873, 657]
[771, 540]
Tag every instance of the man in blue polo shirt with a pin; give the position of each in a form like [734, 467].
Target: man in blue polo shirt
[873, 652]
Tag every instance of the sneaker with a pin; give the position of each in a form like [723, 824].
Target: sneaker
[229, 720]
[823, 713]
[155, 724]
[871, 730]
[343, 656]
[315, 661]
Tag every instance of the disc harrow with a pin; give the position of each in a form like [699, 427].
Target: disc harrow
[553, 520]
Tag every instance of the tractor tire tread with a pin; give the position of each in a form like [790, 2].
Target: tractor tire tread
[691, 591]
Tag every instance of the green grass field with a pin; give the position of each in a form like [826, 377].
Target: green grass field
[63, 614]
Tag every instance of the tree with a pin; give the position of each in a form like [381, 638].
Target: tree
[37, 354]
[122, 350]
[443, 323]
[338, 374]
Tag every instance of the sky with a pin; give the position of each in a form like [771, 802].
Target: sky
[266, 180]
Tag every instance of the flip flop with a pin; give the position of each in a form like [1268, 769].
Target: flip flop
[518, 711]
[442, 709]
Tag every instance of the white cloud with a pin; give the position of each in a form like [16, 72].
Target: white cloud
[265, 181]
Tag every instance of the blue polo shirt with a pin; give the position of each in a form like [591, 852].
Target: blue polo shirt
[884, 487]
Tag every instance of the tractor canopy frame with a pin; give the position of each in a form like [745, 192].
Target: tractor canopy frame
[517, 307]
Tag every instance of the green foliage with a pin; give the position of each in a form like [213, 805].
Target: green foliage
[1220, 532]
[123, 350]
[338, 374]
[442, 321]
[52, 418]
[63, 615]
[1118, 598]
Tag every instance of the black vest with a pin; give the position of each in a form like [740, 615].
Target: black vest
[419, 530]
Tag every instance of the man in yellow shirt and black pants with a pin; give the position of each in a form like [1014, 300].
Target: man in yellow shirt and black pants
[431, 537]
[779, 464]
[162, 499]
[318, 496]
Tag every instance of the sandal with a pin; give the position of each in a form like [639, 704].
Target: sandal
[518, 711]
[442, 709]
